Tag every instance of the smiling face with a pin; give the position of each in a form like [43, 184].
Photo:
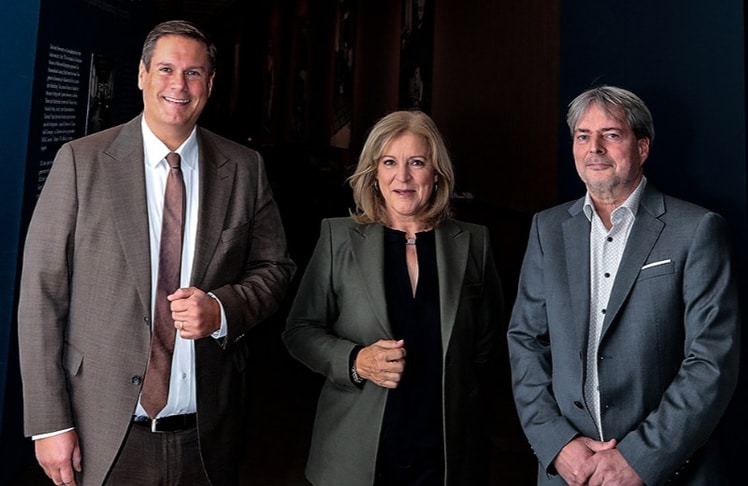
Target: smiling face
[175, 88]
[406, 178]
[608, 157]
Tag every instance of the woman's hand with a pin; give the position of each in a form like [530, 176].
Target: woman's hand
[382, 363]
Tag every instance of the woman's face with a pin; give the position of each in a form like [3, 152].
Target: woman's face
[406, 177]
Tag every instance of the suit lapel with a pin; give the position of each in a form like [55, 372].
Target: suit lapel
[125, 176]
[576, 234]
[452, 248]
[216, 180]
[644, 234]
[367, 247]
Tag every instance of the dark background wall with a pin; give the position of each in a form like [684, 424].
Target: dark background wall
[503, 73]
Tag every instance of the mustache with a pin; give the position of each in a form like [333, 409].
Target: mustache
[598, 159]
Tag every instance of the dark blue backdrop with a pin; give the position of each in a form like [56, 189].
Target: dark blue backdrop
[18, 31]
[112, 29]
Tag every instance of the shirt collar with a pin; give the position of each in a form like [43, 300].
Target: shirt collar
[155, 150]
[631, 203]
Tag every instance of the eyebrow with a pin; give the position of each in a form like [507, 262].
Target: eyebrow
[409, 158]
[604, 129]
[189, 68]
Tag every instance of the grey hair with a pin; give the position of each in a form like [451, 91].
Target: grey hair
[610, 99]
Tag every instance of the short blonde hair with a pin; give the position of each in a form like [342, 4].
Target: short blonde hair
[370, 205]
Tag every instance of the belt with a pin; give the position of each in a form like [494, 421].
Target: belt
[172, 423]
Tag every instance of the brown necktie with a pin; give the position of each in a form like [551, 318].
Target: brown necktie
[156, 385]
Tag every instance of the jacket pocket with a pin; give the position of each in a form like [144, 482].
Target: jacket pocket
[72, 360]
[656, 268]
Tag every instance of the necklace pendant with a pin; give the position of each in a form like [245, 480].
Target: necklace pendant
[410, 241]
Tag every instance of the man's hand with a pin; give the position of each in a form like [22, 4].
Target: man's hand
[609, 467]
[195, 313]
[59, 456]
[571, 462]
[382, 363]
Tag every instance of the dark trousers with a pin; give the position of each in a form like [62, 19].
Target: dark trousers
[162, 458]
[418, 470]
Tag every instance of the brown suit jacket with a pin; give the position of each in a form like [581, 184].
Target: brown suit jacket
[84, 312]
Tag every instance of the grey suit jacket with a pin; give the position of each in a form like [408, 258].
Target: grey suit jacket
[85, 303]
[341, 303]
[668, 358]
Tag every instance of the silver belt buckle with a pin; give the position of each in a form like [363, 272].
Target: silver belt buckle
[154, 424]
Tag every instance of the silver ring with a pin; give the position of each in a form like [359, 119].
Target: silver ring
[181, 325]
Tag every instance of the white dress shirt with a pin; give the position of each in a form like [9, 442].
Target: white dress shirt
[606, 250]
[181, 384]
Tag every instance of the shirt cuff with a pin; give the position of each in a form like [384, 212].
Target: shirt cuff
[51, 434]
[224, 329]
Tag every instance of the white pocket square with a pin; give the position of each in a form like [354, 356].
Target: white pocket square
[655, 264]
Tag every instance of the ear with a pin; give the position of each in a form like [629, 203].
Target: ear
[436, 177]
[643, 146]
[141, 74]
[210, 83]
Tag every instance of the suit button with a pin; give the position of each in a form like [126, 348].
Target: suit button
[579, 405]
[147, 321]
[136, 380]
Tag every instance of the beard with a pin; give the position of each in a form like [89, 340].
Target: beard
[602, 187]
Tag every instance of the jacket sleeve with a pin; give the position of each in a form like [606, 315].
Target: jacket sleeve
[309, 334]
[695, 400]
[531, 361]
[44, 300]
[491, 316]
[261, 286]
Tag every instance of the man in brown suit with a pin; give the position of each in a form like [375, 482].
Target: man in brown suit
[90, 277]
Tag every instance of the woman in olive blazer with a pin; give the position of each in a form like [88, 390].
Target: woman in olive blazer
[340, 312]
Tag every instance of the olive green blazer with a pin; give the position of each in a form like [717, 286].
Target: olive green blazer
[341, 303]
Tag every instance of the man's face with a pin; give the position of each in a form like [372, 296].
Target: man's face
[176, 87]
[608, 157]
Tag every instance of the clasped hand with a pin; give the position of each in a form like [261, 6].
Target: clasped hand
[588, 462]
[382, 363]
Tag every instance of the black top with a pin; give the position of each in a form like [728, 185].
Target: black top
[412, 425]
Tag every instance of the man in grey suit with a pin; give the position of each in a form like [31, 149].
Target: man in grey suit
[624, 337]
[89, 284]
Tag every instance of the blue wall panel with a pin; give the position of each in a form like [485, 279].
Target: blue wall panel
[18, 35]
